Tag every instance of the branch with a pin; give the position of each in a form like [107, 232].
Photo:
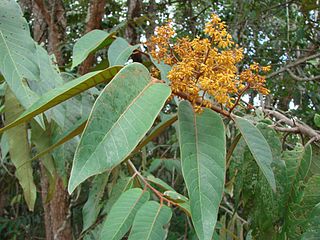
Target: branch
[293, 64]
[296, 127]
[315, 78]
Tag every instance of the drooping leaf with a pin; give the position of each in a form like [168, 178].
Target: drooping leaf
[64, 92]
[259, 148]
[203, 151]
[119, 51]
[93, 205]
[149, 222]
[17, 66]
[124, 111]
[20, 150]
[122, 214]
[90, 42]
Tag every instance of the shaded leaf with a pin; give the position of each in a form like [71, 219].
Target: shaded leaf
[149, 222]
[259, 148]
[90, 42]
[203, 151]
[124, 111]
[317, 120]
[122, 214]
[20, 150]
[93, 205]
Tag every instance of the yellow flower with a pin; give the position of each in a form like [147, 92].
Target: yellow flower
[206, 66]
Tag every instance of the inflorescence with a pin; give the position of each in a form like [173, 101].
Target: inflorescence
[203, 67]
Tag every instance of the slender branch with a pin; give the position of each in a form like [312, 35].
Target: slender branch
[293, 64]
[296, 126]
[298, 78]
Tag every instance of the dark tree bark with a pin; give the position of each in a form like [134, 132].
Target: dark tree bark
[151, 10]
[54, 16]
[49, 27]
[96, 12]
[134, 11]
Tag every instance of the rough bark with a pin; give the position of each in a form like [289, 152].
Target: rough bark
[54, 15]
[49, 27]
[95, 15]
[134, 11]
[151, 10]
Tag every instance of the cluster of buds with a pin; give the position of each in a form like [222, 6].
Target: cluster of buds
[206, 66]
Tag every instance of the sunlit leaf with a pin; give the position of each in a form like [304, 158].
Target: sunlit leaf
[123, 113]
[64, 92]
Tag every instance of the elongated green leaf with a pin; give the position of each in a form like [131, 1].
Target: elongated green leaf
[20, 150]
[93, 205]
[119, 51]
[176, 197]
[122, 114]
[18, 53]
[122, 214]
[259, 148]
[203, 152]
[64, 92]
[149, 222]
[90, 42]
[160, 183]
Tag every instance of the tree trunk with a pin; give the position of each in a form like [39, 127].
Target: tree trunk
[95, 15]
[134, 11]
[49, 26]
[151, 10]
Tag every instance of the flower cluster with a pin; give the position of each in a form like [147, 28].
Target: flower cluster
[204, 67]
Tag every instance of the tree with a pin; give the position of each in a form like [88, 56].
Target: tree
[171, 143]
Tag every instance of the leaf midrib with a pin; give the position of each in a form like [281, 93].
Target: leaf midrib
[115, 123]
[154, 220]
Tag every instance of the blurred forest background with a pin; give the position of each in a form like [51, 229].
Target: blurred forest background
[284, 34]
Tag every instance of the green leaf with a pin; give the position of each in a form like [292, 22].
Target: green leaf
[122, 185]
[317, 120]
[122, 214]
[89, 43]
[160, 183]
[298, 163]
[176, 197]
[120, 51]
[18, 62]
[68, 135]
[203, 152]
[313, 226]
[20, 150]
[259, 148]
[64, 92]
[93, 205]
[122, 114]
[149, 222]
